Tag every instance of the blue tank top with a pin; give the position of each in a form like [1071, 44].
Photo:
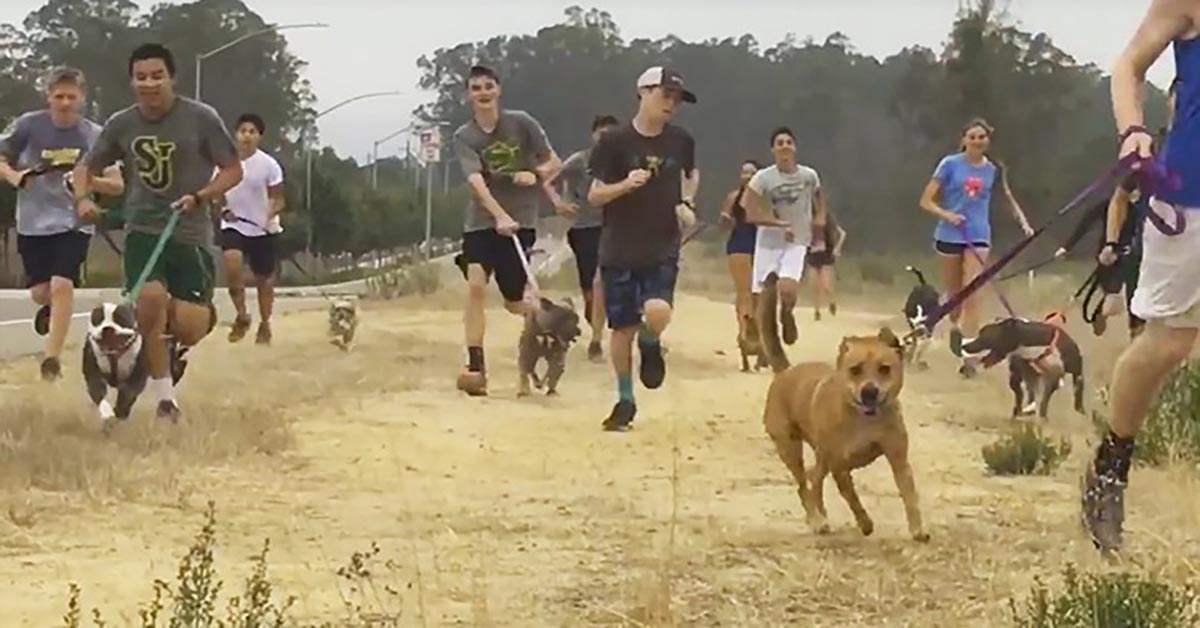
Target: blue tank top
[1182, 150]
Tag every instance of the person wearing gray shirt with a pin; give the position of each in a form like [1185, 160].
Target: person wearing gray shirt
[786, 202]
[37, 153]
[504, 155]
[172, 145]
[584, 234]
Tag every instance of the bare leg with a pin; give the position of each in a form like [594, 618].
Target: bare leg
[62, 304]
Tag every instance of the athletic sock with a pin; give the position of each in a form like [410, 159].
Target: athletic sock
[625, 388]
[162, 388]
[647, 338]
[475, 359]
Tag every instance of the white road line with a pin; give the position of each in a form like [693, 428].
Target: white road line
[29, 321]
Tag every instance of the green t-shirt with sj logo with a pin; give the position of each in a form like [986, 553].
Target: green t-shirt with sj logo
[518, 143]
[163, 160]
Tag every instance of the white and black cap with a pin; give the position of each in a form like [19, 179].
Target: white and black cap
[659, 76]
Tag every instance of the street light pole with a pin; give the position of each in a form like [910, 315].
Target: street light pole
[375, 156]
[270, 29]
[308, 157]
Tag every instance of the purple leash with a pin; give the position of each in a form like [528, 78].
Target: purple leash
[1150, 177]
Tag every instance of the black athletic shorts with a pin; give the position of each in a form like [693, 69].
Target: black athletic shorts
[58, 255]
[817, 259]
[498, 257]
[259, 251]
[957, 248]
[585, 243]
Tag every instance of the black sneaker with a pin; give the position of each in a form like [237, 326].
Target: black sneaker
[621, 417]
[178, 365]
[833, 309]
[169, 410]
[653, 368]
[956, 342]
[1099, 325]
[51, 369]
[968, 369]
[41, 321]
[787, 321]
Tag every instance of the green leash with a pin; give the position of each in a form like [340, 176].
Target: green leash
[131, 295]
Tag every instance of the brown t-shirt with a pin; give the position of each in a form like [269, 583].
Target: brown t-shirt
[641, 228]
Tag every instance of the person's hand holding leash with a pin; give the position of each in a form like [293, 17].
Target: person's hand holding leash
[1027, 230]
[1136, 140]
[88, 210]
[186, 203]
[685, 215]
[955, 219]
[17, 177]
[506, 226]
[1108, 255]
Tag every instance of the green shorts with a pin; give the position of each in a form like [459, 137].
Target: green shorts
[187, 270]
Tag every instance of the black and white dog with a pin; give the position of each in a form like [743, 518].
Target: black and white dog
[923, 300]
[1040, 354]
[114, 356]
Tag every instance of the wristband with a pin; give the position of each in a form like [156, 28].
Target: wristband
[1130, 130]
[691, 205]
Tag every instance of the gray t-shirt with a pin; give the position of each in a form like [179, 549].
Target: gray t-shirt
[790, 195]
[517, 144]
[44, 206]
[165, 159]
[578, 179]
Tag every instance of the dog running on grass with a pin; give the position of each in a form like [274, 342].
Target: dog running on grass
[1040, 354]
[921, 303]
[849, 414]
[343, 322]
[548, 334]
[114, 356]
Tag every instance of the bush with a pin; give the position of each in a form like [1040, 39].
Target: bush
[1025, 451]
[1172, 431]
[192, 600]
[1108, 601]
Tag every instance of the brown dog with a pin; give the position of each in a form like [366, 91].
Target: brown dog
[849, 415]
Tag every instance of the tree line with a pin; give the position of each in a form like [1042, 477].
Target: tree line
[874, 128]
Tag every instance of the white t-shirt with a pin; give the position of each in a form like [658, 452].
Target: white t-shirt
[248, 199]
[791, 195]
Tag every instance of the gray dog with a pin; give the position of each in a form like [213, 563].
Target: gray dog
[548, 334]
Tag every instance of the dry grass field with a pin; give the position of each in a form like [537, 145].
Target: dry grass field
[522, 512]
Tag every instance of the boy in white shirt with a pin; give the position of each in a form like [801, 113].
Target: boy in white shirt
[250, 227]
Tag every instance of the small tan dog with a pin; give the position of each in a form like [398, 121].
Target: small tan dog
[343, 322]
[849, 415]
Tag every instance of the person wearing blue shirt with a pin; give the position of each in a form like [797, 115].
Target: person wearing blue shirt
[960, 195]
[1168, 290]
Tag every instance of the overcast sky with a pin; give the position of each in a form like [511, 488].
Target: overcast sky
[373, 45]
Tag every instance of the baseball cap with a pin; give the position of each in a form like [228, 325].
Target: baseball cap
[659, 76]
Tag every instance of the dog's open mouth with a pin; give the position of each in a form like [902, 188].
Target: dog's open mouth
[113, 342]
[869, 406]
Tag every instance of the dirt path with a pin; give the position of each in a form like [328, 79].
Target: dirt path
[510, 512]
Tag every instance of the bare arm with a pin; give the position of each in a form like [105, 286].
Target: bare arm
[841, 239]
[1165, 20]
[1118, 208]
[689, 185]
[229, 174]
[276, 196]
[820, 213]
[1015, 208]
[110, 183]
[480, 191]
[8, 173]
[930, 205]
[605, 193]
[756, 210]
